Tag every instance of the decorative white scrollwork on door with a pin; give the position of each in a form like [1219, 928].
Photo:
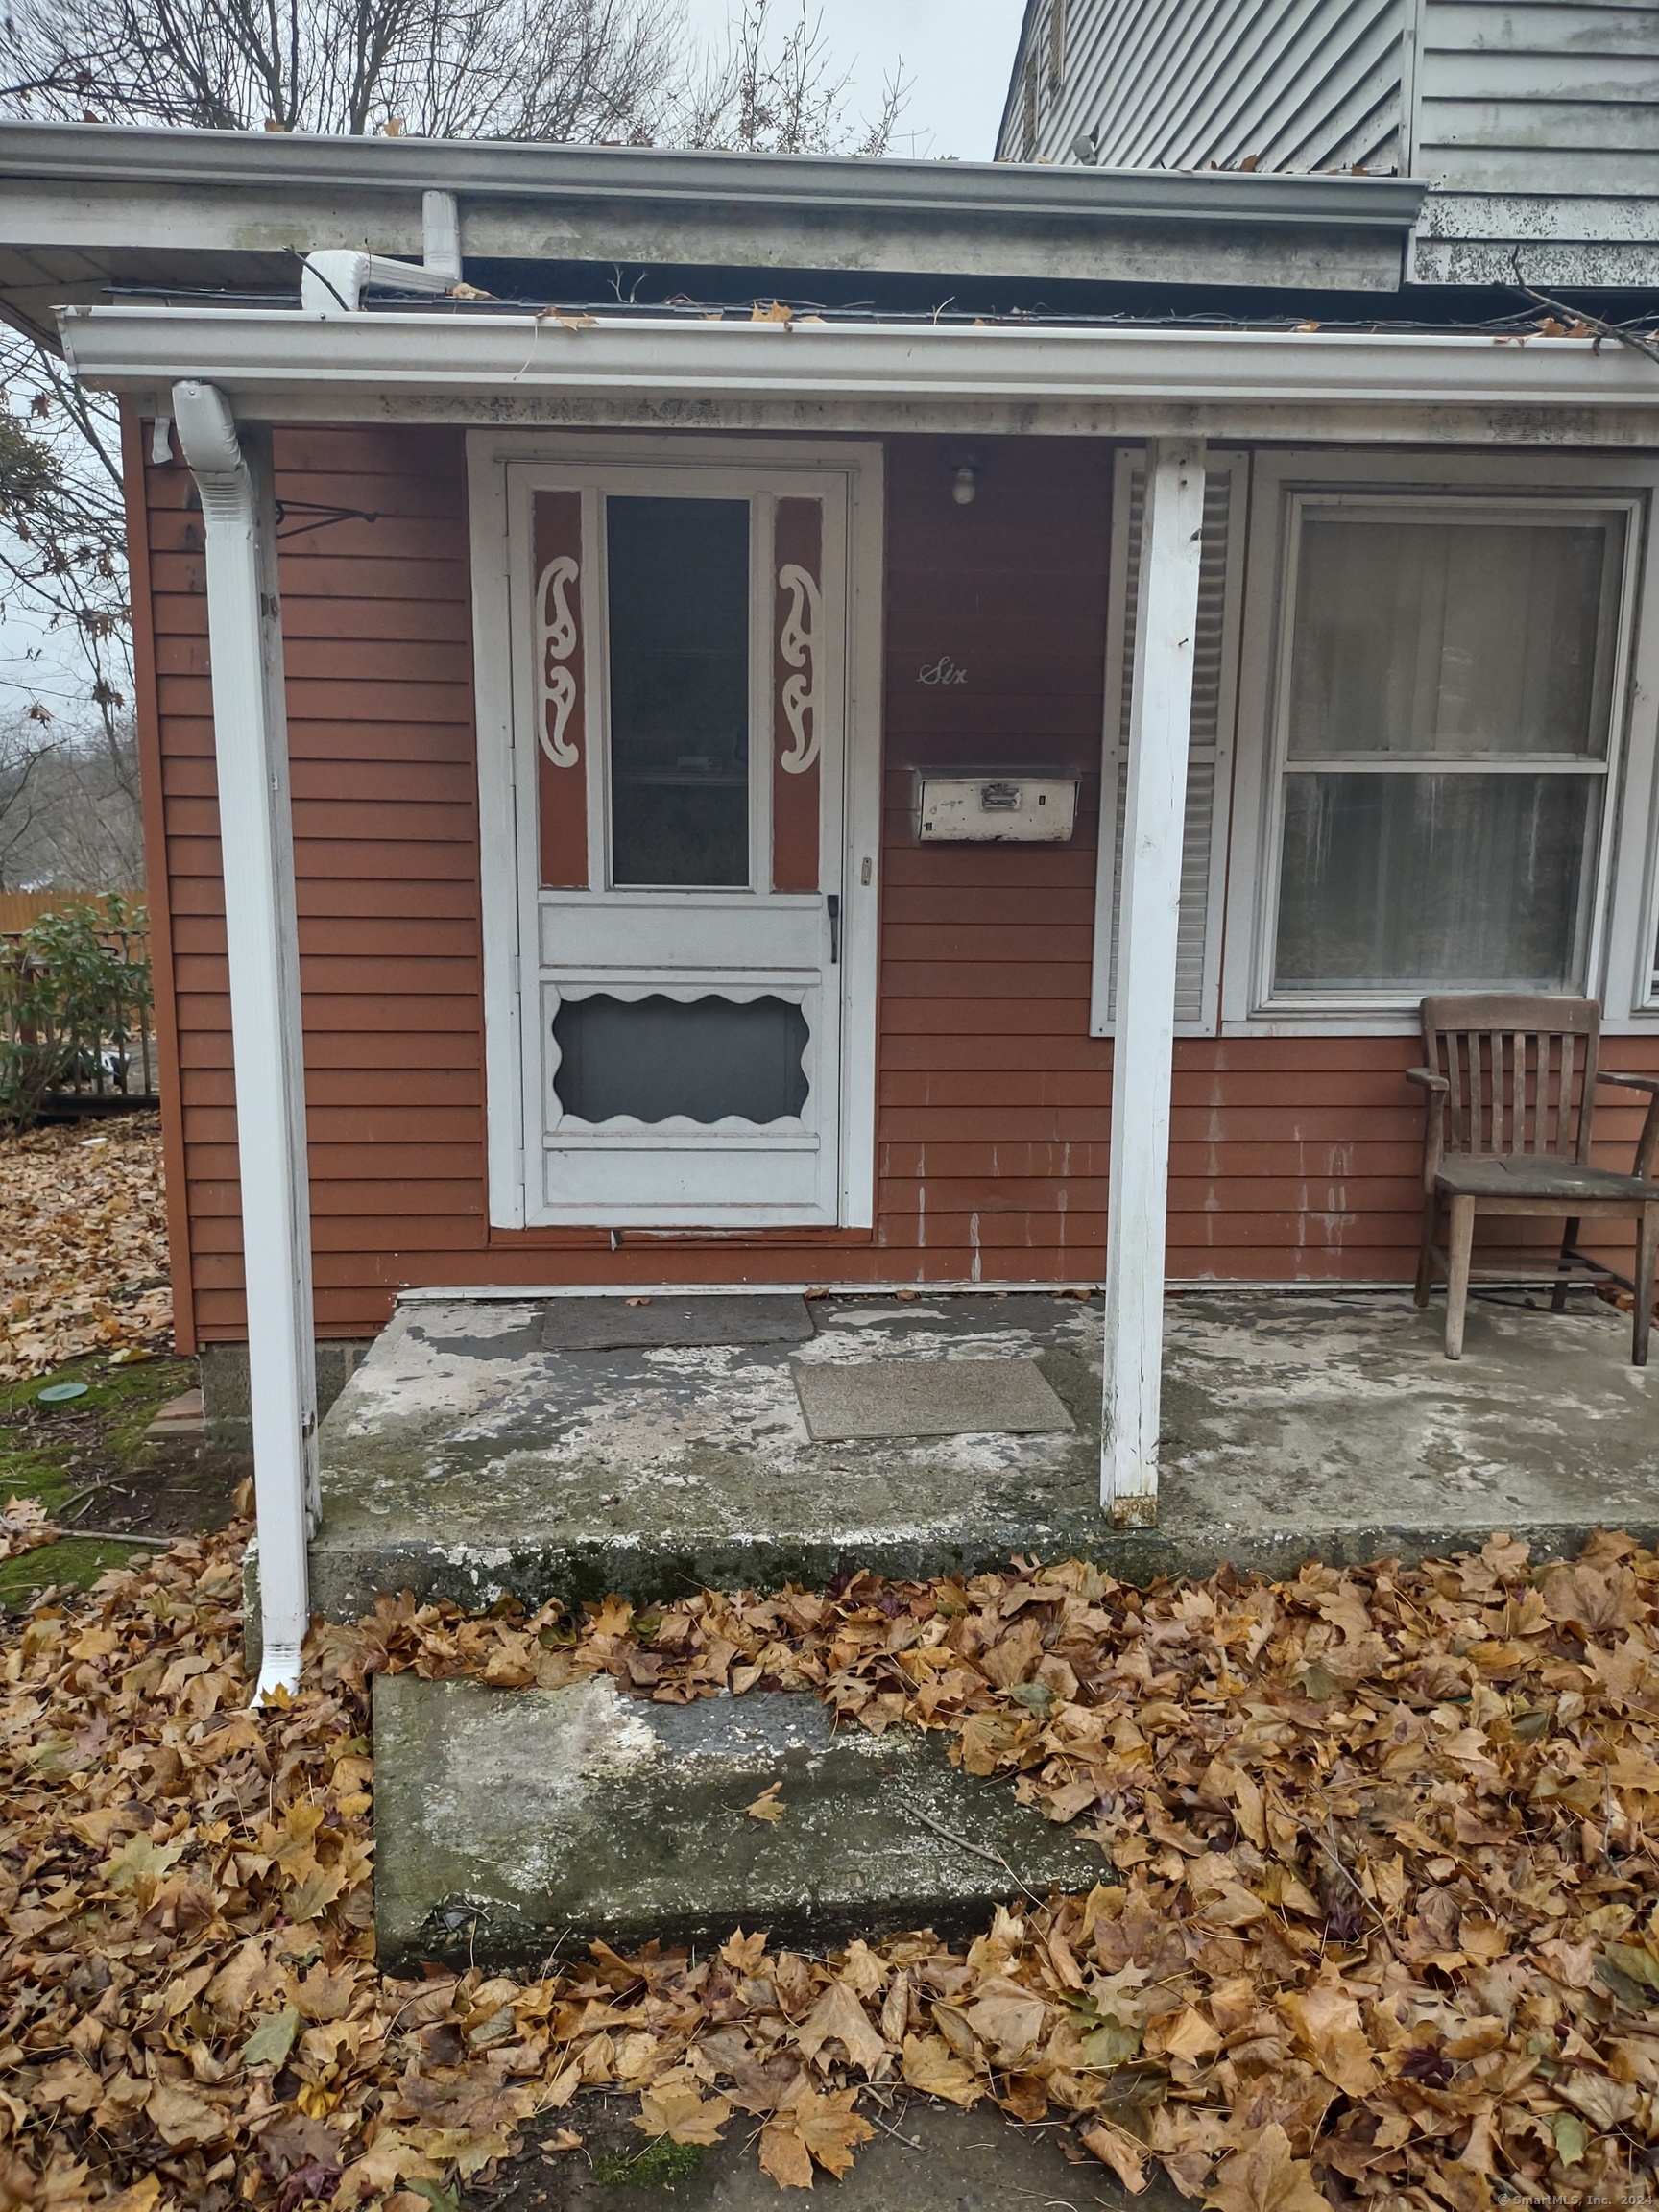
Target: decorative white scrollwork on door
[800, 646]
[556, 642]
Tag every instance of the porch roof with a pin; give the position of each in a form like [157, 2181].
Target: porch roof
[449, 361]
[89, 205]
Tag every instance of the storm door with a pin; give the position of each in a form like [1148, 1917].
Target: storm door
[683, 863]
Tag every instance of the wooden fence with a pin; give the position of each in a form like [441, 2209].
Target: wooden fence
[18, 908]
[77, 1028]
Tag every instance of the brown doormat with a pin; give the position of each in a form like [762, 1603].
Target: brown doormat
[843, 1399]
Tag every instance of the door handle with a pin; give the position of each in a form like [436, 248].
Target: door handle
[833, 903]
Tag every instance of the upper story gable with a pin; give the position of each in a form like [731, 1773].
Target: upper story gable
[1535, 123]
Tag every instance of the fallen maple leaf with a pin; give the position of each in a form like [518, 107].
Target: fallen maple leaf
[743, 1952]
[1264, 2177]
[767, 1806]
[182, 2118]
[682, 2114]
[273, 2039]
[839, 2015]
[139, 1860]
[930, 2065]
[1120, 2151]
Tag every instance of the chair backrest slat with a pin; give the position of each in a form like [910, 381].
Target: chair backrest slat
[1542, 1101]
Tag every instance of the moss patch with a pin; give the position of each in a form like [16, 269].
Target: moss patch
[86, 1460]
[661, 2165]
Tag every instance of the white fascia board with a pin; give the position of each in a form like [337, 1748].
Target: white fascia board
[69, 158]
[287, 357]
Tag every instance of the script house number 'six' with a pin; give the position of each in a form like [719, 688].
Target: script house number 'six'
[942, 671]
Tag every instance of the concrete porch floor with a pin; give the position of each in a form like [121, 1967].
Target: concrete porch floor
[488, 1446]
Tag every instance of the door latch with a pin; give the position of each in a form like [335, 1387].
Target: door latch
[833, 905]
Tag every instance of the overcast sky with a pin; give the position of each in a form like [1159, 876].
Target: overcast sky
[956, 56]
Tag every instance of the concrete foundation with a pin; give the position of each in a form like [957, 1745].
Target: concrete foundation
[225, 1385]
[467, 1457]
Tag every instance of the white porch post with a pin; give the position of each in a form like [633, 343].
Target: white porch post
[251, 751]
[1148, 917]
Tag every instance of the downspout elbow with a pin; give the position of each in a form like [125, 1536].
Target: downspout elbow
[207, 432]
[333, 282]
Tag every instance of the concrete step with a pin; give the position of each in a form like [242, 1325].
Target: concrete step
[180, 1420]
[509, 1820]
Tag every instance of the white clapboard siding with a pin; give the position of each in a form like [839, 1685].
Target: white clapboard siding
[1194, 84]
[1214, 662]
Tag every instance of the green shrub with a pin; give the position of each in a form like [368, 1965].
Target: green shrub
[75, 1002]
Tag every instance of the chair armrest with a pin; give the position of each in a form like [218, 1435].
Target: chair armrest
[1648, 1144]
[1439, 1089]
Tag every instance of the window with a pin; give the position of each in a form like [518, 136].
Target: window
[1445, 719]
[1056, 47]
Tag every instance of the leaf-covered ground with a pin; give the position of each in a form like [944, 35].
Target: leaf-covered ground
[87, 1467]
[82, 1241]
[1375, 1919]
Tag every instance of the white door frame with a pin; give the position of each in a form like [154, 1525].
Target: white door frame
[507, 779]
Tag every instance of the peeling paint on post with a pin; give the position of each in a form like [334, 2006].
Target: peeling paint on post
[1149, 908]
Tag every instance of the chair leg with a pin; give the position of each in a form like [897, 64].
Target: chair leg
[1558, 1296]
[1647, 1258]
[1426, 1248]
[1460, 1245]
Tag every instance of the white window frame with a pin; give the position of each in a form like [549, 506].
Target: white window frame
[1624, 915]
[508, 779]
[1235, 465]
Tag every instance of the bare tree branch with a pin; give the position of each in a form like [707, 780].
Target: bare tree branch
[441, 69]
[781, 94]
[561, 70]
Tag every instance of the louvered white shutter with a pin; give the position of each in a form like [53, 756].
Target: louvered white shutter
[1215, 654]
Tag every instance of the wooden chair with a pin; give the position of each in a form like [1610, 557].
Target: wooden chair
[1511, 1084]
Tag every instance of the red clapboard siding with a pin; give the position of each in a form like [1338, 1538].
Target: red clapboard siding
[1290, 1157]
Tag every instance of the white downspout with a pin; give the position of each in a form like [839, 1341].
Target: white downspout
[255, 829]
[441, 234]
[1148, 926]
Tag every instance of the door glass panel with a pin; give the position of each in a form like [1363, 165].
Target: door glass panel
[658, 1057]
[678, 625]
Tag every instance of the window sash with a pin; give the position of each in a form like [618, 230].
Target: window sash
[1467, 564]
[1436, 885]
[1619, 515]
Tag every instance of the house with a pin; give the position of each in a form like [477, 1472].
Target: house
[729, 721]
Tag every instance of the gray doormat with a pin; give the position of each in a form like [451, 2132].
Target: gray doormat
[612, 1324]
[925, 1398]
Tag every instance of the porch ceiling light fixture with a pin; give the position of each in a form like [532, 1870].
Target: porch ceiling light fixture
[965, 483]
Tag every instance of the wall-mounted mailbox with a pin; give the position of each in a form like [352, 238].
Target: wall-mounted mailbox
[991, 809]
